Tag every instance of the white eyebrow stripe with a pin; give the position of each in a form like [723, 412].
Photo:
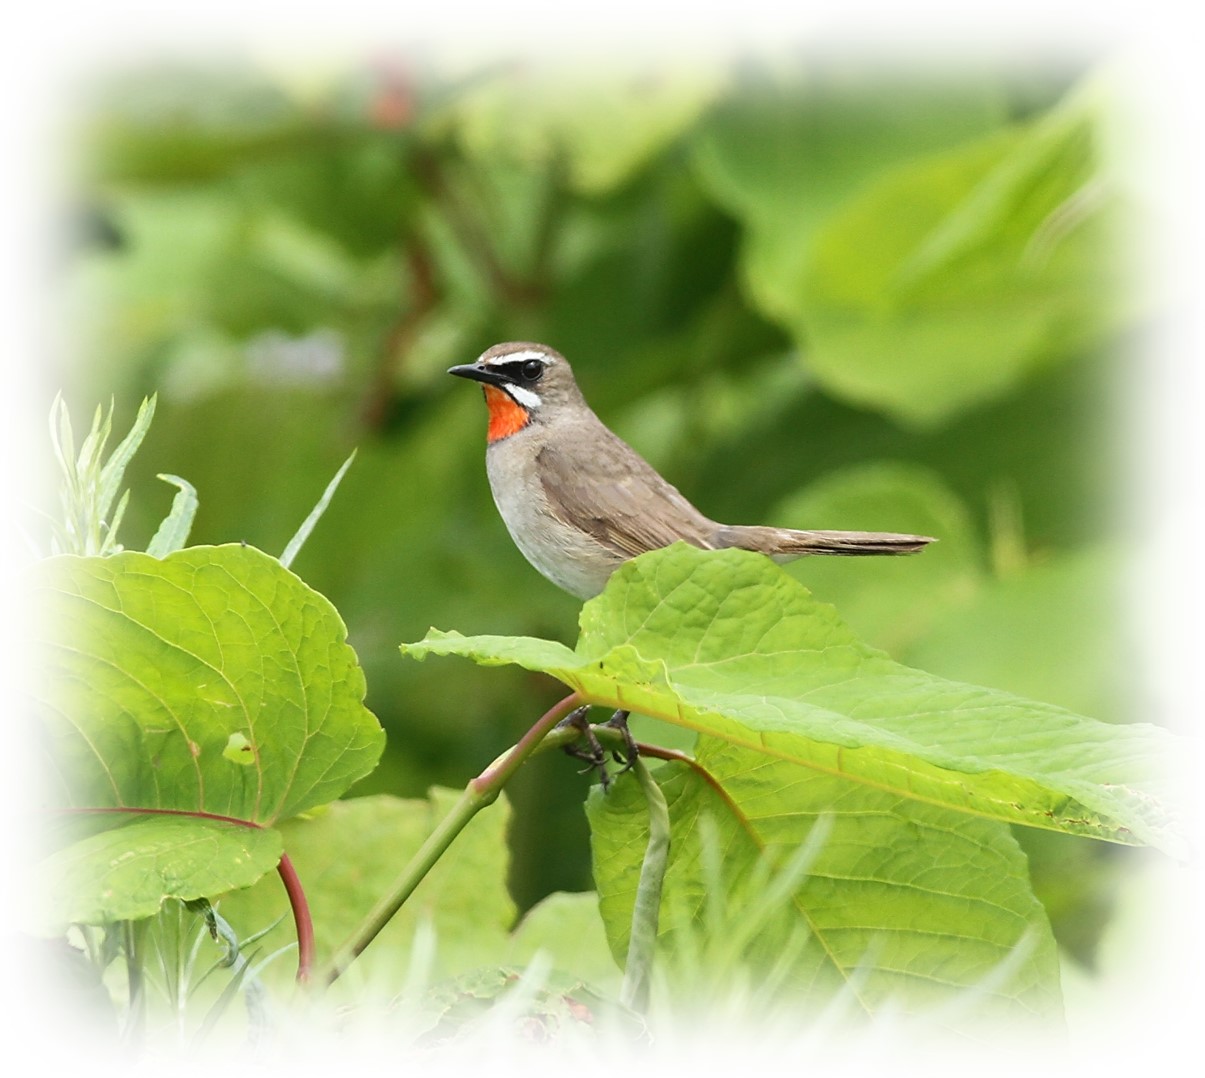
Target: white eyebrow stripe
[523, 396]
[516, 357]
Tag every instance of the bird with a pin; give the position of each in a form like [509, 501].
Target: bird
[579, 502]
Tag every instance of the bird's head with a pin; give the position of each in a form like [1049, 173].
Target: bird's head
[524, 383]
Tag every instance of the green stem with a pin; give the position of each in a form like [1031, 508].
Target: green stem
[642, 943]
[480, 792]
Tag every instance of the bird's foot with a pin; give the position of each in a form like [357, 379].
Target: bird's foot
[594, 754]
[619, 721]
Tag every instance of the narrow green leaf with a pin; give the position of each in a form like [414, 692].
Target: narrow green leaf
[108, 541]
[172, 534]
[145, 668]
[646, 909]
[307, 525]
[60, 435]
[898, 904]
[219, 931]
[111, 475]
[127, 873]
[87, 464]
[727, 644]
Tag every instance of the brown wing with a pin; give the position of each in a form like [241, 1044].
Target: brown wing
[612, 493]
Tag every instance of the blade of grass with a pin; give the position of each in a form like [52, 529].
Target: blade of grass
[114, 470]
[172, 534]
[307, 525]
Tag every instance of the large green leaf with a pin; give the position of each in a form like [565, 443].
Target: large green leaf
[726, 643]
[127, 872]
[953, 278]
[788, 149]
[210, 680]
[897, 903]
[351, 853]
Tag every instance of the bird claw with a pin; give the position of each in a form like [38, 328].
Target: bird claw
[619, 721]
[595, 755]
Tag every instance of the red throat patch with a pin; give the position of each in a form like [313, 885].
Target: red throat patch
[506, 417]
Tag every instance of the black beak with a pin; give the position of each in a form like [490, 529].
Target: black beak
[479, 374]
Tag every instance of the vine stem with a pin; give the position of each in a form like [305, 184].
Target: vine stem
[478, 794]
[642, 941]
[302, 920]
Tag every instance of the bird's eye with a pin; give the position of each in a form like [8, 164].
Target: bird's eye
[531, 370]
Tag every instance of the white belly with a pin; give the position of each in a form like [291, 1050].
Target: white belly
[568, 557]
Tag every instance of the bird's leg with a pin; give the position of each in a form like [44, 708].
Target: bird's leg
[595, 755]
[619, 721]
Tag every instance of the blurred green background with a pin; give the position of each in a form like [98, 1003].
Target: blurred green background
[813, 292]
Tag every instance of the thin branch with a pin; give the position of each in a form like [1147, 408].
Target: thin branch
[479, 793]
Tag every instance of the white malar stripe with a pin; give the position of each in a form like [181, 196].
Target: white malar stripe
[523, 396]
[516, 357]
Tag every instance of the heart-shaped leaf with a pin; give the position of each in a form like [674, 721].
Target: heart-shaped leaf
[211, 680]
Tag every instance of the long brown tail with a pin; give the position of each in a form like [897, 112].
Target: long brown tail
[785, 543]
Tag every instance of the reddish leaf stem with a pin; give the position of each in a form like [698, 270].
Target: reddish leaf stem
[494, 777]
[301, 917]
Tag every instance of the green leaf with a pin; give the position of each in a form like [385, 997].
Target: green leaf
[789, 149]
[145, 668]
[893, 904]
[303, 533]
[350, 854]
[953, 278]
[89, 488]
[727, 644]
[126, 873]
[172, 534]
[108, 479]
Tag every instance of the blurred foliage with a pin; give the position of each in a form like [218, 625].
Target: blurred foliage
[813, 293]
